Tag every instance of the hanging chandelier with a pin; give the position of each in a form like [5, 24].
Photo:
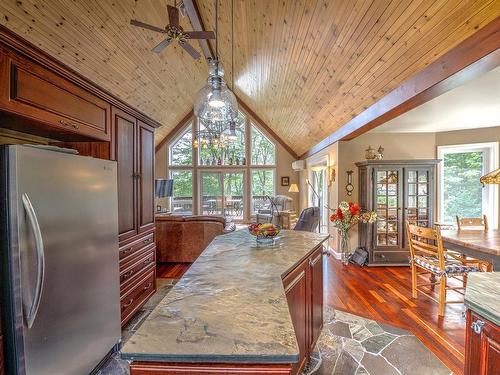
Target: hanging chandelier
[216, 134]
[215, 102]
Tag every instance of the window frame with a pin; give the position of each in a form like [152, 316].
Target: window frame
[176, 170]
[250, 180]
[489, 193]
[251, 124]
[188, 127]
[196, 168]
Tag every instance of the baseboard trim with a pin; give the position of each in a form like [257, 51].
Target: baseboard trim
[333, 253]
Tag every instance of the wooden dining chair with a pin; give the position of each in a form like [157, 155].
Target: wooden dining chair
[475, 223]
[472, 223]
[428, 256]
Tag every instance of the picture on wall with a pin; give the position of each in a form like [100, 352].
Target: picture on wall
[285, 181]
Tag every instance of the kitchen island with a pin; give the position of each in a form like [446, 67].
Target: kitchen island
[239, 309]
[482, 337]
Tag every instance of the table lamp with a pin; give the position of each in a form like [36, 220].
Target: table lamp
[293, 188]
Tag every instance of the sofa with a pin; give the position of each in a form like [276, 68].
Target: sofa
[181, 239]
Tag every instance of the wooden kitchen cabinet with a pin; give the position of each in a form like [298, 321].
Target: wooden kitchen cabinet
[48, 103]
[146, 159]
[134, 153]
[482, 346]
[304, 293]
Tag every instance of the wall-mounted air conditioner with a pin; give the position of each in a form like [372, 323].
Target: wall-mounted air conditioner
[299, 165]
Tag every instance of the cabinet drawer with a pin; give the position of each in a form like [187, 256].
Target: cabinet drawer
[133, 247]
[43, 96]
[133, 269]
[137, 296]
[390, 257]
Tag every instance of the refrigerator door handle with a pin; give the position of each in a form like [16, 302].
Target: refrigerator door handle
[30, 314]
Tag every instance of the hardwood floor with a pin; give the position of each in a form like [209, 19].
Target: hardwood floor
[171, 270]
[384, 294]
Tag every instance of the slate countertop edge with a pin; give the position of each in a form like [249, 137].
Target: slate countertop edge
[483, 312]
[482, 295]
[216, 358]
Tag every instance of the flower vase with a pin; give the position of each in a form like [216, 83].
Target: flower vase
[344, 247]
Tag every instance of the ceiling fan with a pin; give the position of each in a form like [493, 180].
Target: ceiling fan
[174, 32]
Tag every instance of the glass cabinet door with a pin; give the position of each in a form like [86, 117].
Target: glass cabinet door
[388, 207]
[418, 195]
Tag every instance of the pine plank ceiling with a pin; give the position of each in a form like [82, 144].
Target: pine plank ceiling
[305, 67]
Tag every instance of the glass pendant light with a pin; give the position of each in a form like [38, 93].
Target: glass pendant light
[215, 102]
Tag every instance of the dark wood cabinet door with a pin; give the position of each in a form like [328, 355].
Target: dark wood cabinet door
[124, 134]
[316, 276]
[482, 346]
[296, 293]
[146, 155]
[43, 96]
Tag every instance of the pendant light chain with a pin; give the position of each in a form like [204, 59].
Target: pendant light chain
[217, 35]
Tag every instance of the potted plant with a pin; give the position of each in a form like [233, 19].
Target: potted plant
[346, 216]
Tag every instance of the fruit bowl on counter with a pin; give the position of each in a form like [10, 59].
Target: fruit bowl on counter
[265, 233]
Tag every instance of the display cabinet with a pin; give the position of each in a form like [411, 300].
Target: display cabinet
[398, 191]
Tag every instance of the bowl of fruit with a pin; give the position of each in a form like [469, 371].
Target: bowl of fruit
[265, 233]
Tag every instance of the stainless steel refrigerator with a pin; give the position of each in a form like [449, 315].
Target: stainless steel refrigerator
[59, 249]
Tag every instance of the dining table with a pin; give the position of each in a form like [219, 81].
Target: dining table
[480, 244]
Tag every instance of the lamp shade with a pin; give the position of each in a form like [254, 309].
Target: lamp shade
[491, 178]
[293, 188]
[163, 187]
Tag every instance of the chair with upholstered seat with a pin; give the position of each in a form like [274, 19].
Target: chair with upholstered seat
[428, 256]
[271, 212]
[308, 220]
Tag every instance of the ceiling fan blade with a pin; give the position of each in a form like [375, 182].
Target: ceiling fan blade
[200, 34]
[146, 26]
[173, 16]
[164, 43]
[189, 49]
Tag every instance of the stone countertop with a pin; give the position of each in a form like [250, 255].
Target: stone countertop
[230, 306]
[482, 295]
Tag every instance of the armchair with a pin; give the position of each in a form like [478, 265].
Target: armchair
[270, 214]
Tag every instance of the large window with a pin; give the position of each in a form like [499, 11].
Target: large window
[182, 200]
[181, 152]
[460, 192]
[231, 180]
[263, 150]
[221, 154]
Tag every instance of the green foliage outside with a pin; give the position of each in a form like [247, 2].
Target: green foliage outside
[219, 183]
[462, 189]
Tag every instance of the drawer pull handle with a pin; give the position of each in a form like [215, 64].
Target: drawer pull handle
[148, 240]
[477, 326]
[147, 261]
[148, 286]
[71, 124]
[126, 251]
[125, 305]
[128, 274]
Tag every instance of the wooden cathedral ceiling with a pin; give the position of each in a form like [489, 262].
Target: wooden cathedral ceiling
[305, 67]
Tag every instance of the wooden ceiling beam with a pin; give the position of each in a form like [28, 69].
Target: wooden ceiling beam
[470, 59]
[174, 131]
[194, 16]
